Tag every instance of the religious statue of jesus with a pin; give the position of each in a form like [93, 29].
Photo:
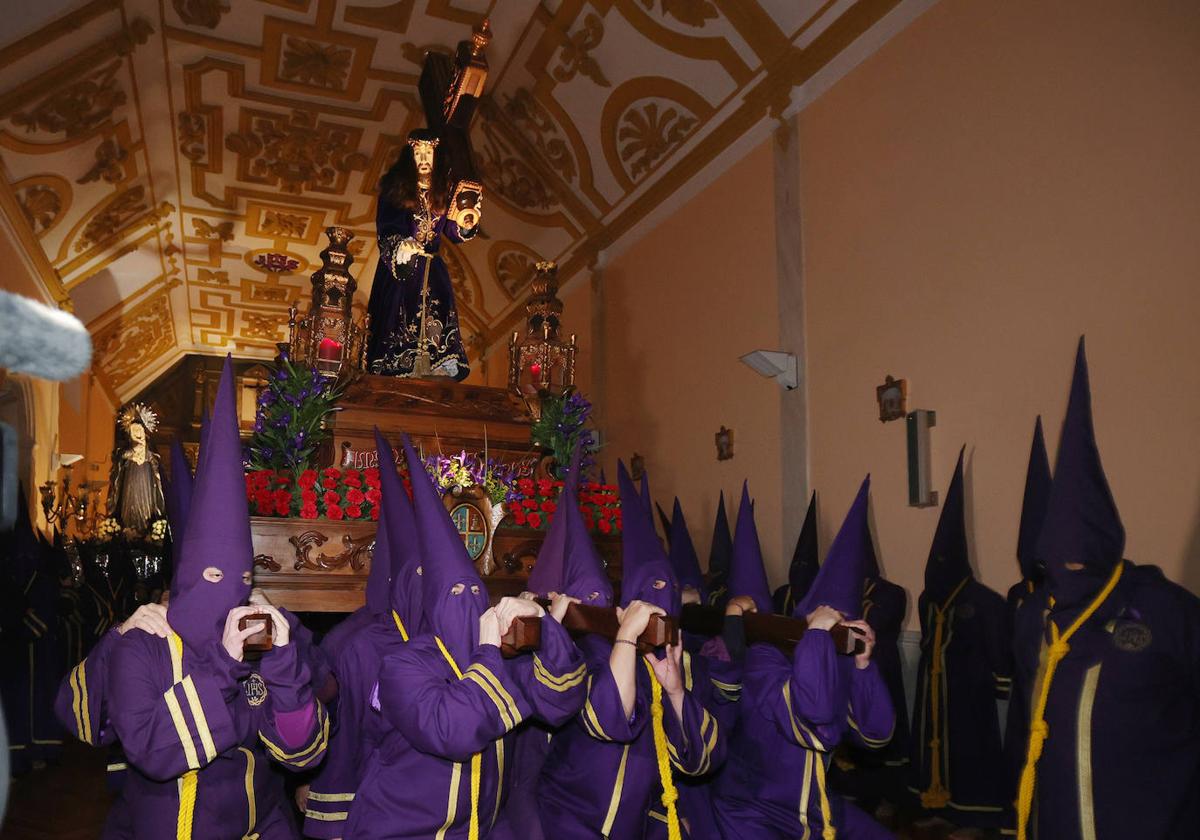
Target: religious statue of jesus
[414, 323]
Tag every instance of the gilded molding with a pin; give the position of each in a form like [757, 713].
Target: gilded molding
[110, 165]
[295, 152]
[689, 12]
[77, 108]
[576, 56]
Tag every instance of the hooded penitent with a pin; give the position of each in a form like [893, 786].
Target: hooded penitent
[947, 565]
[647, 571]
[404, 584]
[217, 534]
[445, 565]
[583, 575]
[805, 559]
[1033, 506]
[178, 492]
[1082, 526]
[839, 583]
[665, 522]
[682, 554]
[548, 572]
[748, 577]
[379, 576]
[720, 554]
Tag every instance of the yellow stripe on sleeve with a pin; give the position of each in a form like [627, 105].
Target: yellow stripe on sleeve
[189, 688]
[181, 729]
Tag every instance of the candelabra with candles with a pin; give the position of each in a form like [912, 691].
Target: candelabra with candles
[540, 363]
[62, 505]
[328, 337]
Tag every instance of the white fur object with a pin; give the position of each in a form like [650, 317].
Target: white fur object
[40, 341]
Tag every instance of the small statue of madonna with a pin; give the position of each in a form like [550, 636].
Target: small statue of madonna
[414, 323]
[135, 495]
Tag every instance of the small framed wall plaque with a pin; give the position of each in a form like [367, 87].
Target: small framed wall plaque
[892, 396]
[724, 440]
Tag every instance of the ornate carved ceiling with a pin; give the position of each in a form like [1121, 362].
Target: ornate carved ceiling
[168, 166]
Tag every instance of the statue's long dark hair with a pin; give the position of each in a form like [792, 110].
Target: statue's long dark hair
[398, 186]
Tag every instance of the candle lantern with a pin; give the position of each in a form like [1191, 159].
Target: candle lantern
[328, 337]
[540, 363]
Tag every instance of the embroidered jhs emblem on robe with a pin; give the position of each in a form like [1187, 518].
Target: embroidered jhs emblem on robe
[256, 690]
[1132, 636]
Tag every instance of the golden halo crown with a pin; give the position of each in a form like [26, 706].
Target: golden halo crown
[433, 144]
[139, 413]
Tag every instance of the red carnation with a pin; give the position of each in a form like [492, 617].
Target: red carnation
[352, 478]
[549, 506]
[331, 498]
[375, 512]
[373, 495]
[529, 504]
[604, 526]
[308, 497]
[525, 485]
[535, 520]
[371, 476]
[544, 486]
[308, 511]
[329, 483]
[307, 479]
[331, 472]
[353, 512]
[607, 513]
[355, 496]
[519, 516]
[334, 512]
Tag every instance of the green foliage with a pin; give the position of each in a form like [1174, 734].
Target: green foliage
[290, 423]
[562, 425]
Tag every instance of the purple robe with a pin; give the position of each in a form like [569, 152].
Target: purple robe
[976, 665]
[201, 730]
[793, 715]
[1123, 756]
[446, 734]
[601, 777]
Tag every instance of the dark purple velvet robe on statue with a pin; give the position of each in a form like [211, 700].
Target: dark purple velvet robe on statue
[1123, 756]
[395, 302]
[443, 729]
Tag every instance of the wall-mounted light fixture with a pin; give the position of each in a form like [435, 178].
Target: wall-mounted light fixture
[774, 364]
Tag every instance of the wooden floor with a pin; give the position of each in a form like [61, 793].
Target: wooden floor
[67, 801]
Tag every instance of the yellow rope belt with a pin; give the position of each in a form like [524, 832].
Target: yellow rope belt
[1039, 730]
[938, 795]
[669, 795]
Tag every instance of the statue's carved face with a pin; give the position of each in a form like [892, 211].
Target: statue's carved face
[423, 158]
[137, 433]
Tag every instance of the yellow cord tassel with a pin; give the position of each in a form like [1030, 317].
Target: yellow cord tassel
[938, 795]
[1039, 730]
[669, 795]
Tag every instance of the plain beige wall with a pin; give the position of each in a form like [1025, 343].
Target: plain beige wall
[681, 306]
[995, 181]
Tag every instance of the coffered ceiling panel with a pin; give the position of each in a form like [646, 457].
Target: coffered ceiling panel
[171, 165]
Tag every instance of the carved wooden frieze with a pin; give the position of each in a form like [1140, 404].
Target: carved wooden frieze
[355, 554]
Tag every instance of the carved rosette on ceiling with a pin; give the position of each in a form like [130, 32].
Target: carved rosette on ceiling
[312, 63]
[109, 166]
[42, 205]
[78, 107]
[576, 56]
[649, 131]
[514, 270]
[206, 13]
[296, 152]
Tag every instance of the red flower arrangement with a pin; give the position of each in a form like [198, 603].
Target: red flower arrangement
[534, 503]
[332, 493]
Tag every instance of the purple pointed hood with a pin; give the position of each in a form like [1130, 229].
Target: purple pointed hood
[547, 573]
[454, 618]
[647, 501]
[217, 534]
[647, 571]
[379, 575]
[404, 580]
[1082, 525]
[948, 563]
[1033, 506]
[682, 554]
[748, 577]
[583, 574]
[720, 554]
[839, 582]
[665, 522]
[805, 559]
